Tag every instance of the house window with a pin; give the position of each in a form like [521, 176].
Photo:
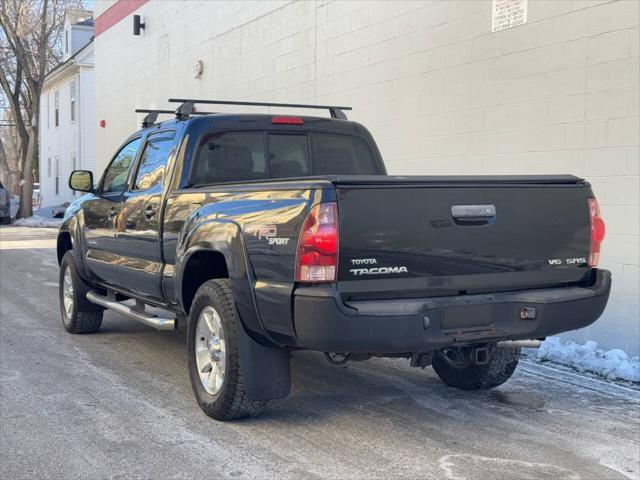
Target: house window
[73, 100]
[49, 167]
[48, 110]
[57, 175]
[66, 41]
[56, 97]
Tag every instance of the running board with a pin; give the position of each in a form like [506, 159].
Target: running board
[136, 313]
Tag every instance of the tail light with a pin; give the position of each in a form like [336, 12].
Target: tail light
[317, 254]
[597, 232]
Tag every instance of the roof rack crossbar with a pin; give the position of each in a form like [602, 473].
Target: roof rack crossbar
[334, 110]
[152, 115]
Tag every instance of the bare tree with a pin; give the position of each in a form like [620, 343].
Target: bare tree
[9, 152]
[30, 32]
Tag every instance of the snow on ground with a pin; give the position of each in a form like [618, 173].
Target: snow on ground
[42, 218]
[38, 221]
[613, 364]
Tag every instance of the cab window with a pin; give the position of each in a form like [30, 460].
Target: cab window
[115, 178]
[288, 156]
[342, 155]
[229, 157]
[154, 160]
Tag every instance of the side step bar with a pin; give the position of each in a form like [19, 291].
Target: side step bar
[136, 313]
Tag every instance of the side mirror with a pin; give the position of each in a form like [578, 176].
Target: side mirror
[81, 181]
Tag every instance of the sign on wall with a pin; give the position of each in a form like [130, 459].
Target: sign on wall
[507, 14]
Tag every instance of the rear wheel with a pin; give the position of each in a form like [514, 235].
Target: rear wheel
[500, 367]
[78, 314]
[215, 364]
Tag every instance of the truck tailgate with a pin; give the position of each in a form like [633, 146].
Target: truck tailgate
[434, 236]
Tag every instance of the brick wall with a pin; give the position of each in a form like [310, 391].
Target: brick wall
[438, 90]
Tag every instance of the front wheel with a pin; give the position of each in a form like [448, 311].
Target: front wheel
[78, 314]
[215, 364]
[501, 365]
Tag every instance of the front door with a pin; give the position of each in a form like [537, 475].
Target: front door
[139, 226]
[101, 215]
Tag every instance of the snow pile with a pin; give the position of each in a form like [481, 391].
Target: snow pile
[613, 364]
[38, 221]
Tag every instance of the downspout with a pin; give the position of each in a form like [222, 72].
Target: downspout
[80, 157]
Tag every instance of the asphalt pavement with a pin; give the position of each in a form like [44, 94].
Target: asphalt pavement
[118, 404]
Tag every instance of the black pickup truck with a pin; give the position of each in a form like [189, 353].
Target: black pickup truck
[269, 233]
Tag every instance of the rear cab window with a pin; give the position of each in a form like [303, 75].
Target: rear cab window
[341, 155]
[288, 155]
[234, 156]
[229, 157]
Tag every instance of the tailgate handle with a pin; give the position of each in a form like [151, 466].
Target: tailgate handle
[477, 214]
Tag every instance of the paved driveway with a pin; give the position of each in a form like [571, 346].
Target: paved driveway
[117, 404]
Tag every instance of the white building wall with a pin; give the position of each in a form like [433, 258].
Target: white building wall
[59, 143]
[72, 142]
[80, 36]
[439, 91]
[87, 94]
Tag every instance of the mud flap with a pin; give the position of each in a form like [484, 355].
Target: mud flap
[266, 370]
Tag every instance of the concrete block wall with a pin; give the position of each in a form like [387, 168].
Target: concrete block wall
[438, 90]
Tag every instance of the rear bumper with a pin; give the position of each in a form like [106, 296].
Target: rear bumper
[324, 323]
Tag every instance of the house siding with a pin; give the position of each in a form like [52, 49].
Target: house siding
[80, 36]
[71, 141]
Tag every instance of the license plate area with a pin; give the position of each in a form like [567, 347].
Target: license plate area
[466, 317]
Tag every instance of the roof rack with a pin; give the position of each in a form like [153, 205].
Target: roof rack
[152, 114]
[334, 110]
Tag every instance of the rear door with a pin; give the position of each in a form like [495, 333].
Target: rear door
[138, 232]
[426, 237]
[101, 215]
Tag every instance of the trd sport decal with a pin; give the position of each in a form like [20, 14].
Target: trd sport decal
[270, 233]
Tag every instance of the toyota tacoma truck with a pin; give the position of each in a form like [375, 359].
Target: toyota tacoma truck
[269, 233]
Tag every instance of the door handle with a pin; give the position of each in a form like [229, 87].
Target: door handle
[149, 212]
[112, 213]
[473, 214]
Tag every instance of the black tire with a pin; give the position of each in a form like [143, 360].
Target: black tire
[5, 221]
[85, 317]
[230, 402]
[502, 364]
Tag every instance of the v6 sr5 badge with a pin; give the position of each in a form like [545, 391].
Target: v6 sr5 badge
[270, 233]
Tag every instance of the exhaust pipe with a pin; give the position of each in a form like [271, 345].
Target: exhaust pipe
[519, 344]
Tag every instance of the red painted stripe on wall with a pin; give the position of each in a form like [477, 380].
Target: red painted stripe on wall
[115, 13]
